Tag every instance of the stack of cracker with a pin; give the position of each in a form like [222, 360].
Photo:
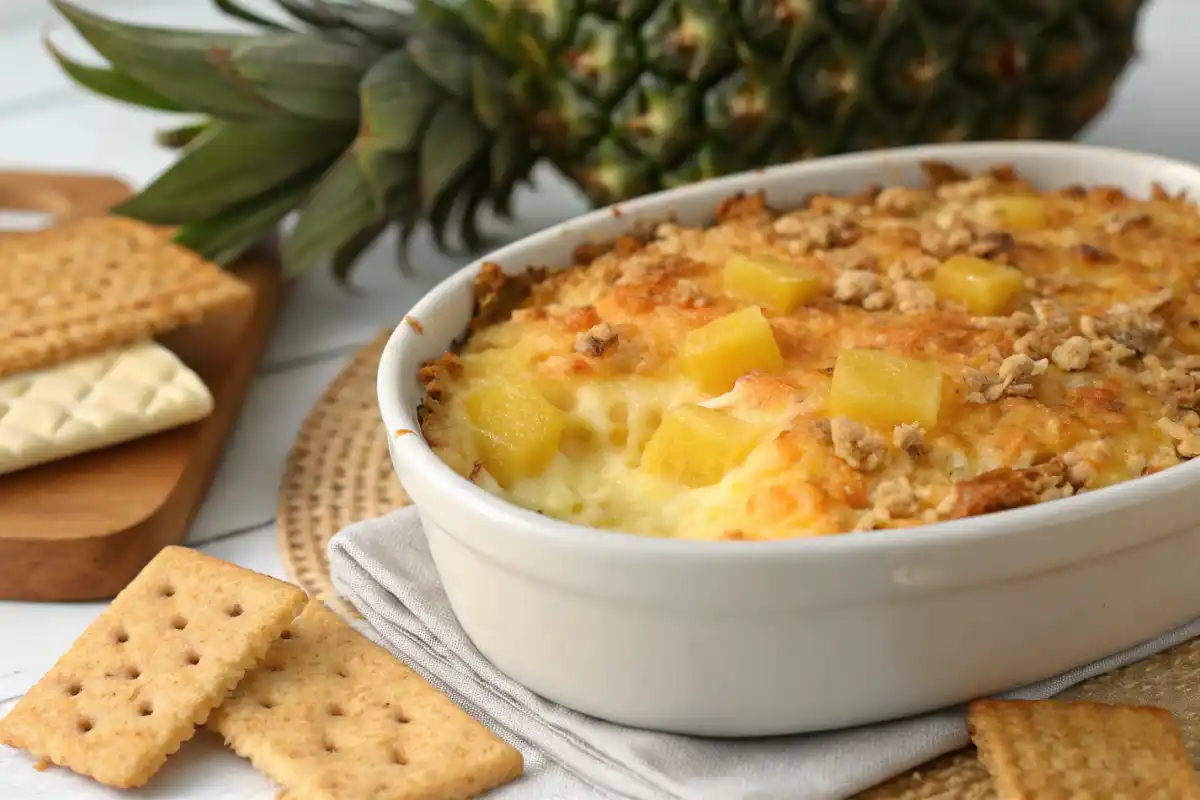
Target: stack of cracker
[80, 305]
[317, 707]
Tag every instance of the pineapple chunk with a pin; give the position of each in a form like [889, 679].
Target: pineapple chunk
[1019, 212]
[516, 429]
[776, 285]
[719, 353]
[984, 287]
[878, 387]
[696, 446]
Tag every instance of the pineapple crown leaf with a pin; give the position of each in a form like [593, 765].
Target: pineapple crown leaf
[360, 19]
[230, 163]
[181, 136]
[452, 144]
[492, 95]
[444, 61]
[340, 206]
[110, 83]
[303, 76]
[353, 136]
[390, 176]
[347, 255]
[231, 9]
[224, 237]
[396, 99]
[187, 68]
[234, 76]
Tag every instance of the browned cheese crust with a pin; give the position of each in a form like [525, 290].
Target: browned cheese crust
[1089, 379]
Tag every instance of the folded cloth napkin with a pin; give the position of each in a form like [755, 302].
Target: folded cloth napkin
[383, 567]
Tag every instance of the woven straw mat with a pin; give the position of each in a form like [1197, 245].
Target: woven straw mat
[339, 473]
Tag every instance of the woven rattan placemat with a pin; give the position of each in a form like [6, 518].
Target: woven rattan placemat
[339, 473]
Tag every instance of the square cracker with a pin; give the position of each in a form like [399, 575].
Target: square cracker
[1055, 750]
[151, 667]
[331, 716]
[96, 283]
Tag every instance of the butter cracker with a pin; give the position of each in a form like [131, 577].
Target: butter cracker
[151, 667]
[96, 283]
[1055, 750]
[331, 716]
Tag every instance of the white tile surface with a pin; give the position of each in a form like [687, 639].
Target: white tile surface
[203, 768]
[45, 122]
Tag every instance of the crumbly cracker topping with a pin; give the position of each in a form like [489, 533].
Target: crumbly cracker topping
[597, 340]
[857, 445]
[1013, 377]
[860, 287]
[909, 437]
[1187, 441]
[1073, 354]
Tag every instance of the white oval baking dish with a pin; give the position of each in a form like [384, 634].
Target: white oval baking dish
[739, 639]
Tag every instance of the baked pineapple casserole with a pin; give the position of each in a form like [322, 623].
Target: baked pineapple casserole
[892, 359]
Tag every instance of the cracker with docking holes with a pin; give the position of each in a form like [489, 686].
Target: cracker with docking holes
[96, 283]
[151, 667]
[329, 715]
[1055, 750]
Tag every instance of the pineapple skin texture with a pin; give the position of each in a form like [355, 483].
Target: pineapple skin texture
[698, 446]
[775, 285]
[654, 94]
[984, 287]
[717, 354]
[517, 430]
[624, 99]
[878, 387]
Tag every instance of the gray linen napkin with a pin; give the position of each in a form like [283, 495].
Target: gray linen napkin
[383, 567]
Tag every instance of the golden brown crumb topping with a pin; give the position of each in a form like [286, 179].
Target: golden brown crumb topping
[1047, 343]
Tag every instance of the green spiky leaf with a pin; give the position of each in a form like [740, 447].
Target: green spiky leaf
[451, 144]
[492, 101]
[510, 159]
[397, 99]
[190, 69]
[373, 21]
[110, 83]
[469, 232]
[234, 162]
[181, 136]
[340, 207]
[344, 257]
[224, 238]
[390, 174]
[451, 204]
[312, 12]
[446, 62]
[237, 12]
[307, 77]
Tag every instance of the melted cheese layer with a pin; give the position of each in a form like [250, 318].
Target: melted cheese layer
[1115, 275]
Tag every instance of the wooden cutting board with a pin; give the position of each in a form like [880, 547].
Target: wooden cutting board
[83, 527]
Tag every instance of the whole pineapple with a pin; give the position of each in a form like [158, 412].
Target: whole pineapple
[360, 116]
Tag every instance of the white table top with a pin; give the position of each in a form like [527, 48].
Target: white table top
[47, 123]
